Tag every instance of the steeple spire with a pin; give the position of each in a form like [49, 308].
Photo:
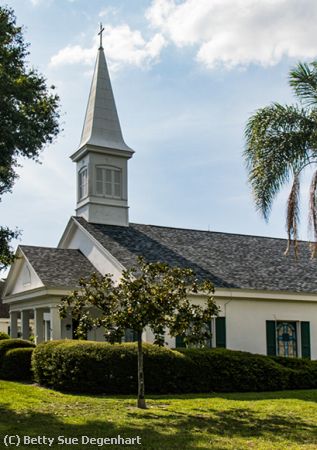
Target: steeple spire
[102, 157]
[101, 126]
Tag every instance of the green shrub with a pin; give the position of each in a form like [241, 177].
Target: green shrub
[294, 363]
[83, 366]
[42, 363]
[226, 370]
[16, 364]
[8, 344]
[95, 367]
[4, 336]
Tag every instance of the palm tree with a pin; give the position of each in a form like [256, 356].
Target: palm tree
[281, 140]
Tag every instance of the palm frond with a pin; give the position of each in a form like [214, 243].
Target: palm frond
[278, 143]
[292, 215]
[303, 80]
[312, 213]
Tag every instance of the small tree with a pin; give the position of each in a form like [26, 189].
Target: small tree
[151, 295]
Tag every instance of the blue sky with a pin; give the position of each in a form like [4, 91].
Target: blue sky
[186, 76]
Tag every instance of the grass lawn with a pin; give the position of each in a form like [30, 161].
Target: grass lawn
[279, 420]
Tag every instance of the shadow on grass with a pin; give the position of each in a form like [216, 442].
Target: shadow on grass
[240, 423]
[163, 427]
[153, 436]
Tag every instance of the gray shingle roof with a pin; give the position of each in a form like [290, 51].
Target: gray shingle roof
[229, 260]
[58, 267]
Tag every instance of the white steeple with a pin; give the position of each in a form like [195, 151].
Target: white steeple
[102, 156]
[101, 125]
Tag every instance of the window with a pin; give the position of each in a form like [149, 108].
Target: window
[282, 338]
[108, 182]
[83, 183]
[217, 327]
[286, 339]
[130, 335]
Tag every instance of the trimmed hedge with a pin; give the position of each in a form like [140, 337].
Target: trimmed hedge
[16, 364]
[8, 344]
[234, 371]
[95, 367]
[4, 336]
[24, 366]
[43, 362]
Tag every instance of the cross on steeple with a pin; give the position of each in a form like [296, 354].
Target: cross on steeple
[100, 34]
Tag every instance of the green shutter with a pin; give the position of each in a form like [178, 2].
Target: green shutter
[221, 332]
[179, 342]
[305, 338]
[271, 337]
[130, 335]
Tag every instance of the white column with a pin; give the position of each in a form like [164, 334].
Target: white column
[14, 324]
[25, 325]
[56, 324]
[38, 325]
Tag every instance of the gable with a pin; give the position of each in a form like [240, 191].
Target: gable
[77, 237]
[22, 277]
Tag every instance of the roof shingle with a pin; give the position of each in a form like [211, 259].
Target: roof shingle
[229, 260]
[58, 267]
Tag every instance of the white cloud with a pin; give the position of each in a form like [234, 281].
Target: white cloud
[238, 32]
[122, 46]
[108, 11]
[73, 54]
[41, 2]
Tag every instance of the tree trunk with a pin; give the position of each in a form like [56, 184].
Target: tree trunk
[141, 399]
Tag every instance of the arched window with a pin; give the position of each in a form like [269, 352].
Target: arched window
[108, 181]
[83, 183]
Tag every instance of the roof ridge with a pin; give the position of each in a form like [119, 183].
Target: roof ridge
[217, 232]
[197, 230]
[48, 248]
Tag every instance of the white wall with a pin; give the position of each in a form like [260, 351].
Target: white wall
[26, 279]
[81, 241]
[96, 334]
[4, 325]
[97, 208]
[246, 322]
[148, 336]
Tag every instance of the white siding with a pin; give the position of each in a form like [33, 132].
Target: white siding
[25, 272]
[81, 241]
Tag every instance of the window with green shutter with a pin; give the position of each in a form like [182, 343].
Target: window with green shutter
[305, 339]
[221, 332]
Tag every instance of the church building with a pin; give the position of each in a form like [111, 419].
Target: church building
[268, 302]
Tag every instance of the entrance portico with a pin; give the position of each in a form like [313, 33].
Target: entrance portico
[38, 279]
[46, 322]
